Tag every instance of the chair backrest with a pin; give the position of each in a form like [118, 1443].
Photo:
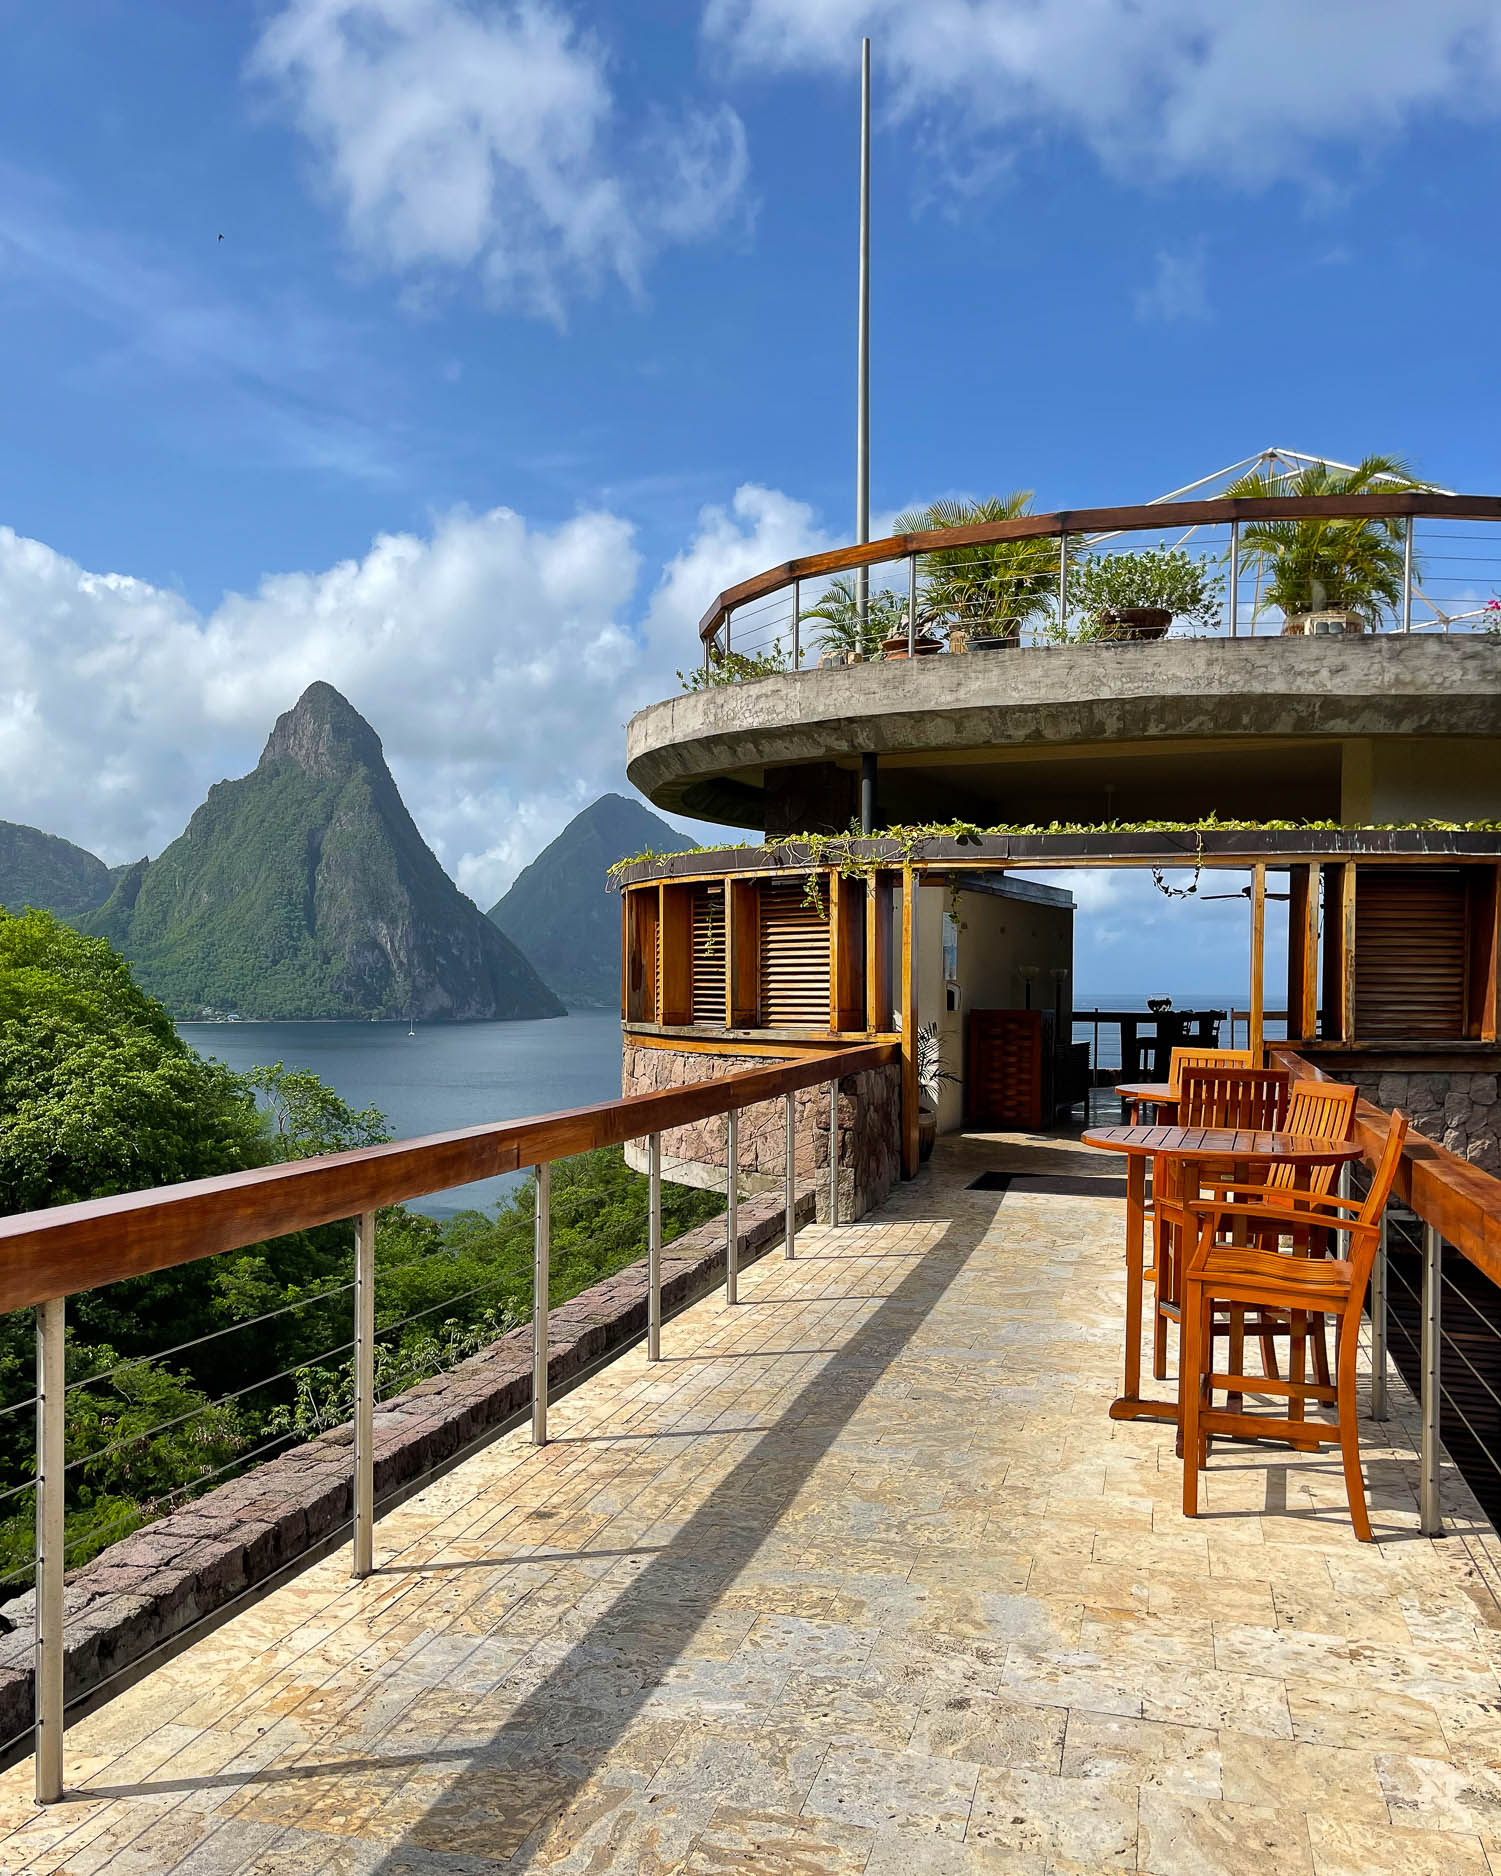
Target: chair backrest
[1232, 1097]
[1385, 1175]
[1205, 1058]
[1324, 1110]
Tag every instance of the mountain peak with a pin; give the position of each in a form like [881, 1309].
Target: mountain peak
[324, 735]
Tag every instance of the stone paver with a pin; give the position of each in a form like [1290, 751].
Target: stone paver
[860, 1578]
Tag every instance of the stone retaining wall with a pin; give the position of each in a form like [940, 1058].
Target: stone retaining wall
[1462, 1111]
[160, 1581]
[870, 1134]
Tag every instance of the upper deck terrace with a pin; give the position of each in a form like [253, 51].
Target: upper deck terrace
[859, 1576]
[1334, 721]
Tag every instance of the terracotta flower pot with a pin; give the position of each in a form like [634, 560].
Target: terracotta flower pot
[896, 646]
[994, 641]
[927, 1132]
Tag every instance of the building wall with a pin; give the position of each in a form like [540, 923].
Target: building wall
[997, 937]
[1420, 778]
[1460, 1110]
[869, 1130]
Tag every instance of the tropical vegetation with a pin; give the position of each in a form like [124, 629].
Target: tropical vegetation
[1160, 578]
[1333, 564]
[850, 627]
[991, 588]
[180, 1378]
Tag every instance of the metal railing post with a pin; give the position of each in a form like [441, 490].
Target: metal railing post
[51, 1406]
[1378, 1325]
[790, 1229]
[833, 1152]
[1234, 586]
[912, 605]
[541, 1277]
[654, 1250]
[1430, 1521]
[1062, 584]
[797, 621]
[726, 631]
[731, 1210]
[363, 1560]
[1407, 576]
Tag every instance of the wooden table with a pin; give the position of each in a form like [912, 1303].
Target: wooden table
[1155, 1094]
[1236, 1146]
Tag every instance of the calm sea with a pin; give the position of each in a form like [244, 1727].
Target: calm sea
[447, 1075]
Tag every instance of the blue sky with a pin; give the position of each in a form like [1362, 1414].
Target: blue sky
[532, 326]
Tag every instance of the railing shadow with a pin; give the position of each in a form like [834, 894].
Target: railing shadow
[559, 1727]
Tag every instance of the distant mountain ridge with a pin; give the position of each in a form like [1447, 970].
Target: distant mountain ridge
[50, 873]
[560, 911]
[305, 891]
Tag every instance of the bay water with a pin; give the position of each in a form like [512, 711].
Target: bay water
[447, 1075]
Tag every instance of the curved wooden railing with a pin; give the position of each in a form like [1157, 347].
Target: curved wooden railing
[55, 1253]
[1421, 504]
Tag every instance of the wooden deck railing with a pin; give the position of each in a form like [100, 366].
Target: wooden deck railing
[47, 1256]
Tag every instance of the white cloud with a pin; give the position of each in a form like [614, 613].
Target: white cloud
[456, 134]
[1247, 93]
[497, 661]
[1177, 291]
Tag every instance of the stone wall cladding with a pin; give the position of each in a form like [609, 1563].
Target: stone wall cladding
[1461, 1111]
[158, 1582]
[870, 1106]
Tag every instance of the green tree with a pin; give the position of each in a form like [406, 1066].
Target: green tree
[1328, 564]
[993, 587]
[844, 630]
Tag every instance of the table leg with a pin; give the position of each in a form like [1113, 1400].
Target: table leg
[1131, 1406]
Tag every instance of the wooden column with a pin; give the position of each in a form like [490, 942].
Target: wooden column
[1339, 951]
[848, 952]
[742, 953]
[907, 990]
[878, 953]
[1483, 913]
[1297, 946]
[1258, 961]
[675, 979]
[1308, 990]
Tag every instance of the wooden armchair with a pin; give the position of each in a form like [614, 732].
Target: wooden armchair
[1208, 1096]
[1223, 1275]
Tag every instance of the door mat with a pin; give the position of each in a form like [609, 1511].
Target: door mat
[1059, 1185]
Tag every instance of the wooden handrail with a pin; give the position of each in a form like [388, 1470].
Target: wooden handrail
[84, 1246]
[1387, 505]
[1460, 1201]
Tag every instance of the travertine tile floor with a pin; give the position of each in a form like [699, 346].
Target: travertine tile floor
[860, 1578]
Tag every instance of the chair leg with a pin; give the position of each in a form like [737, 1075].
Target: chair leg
[1268, 1350]
[1164, 1294]
[1190, 1372]
[1349, 1437]
[1320, 1353]
[1236, 1361]
[1297, 1342]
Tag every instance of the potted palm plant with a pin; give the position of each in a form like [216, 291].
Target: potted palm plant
[1138, 595]
[851, 633]
[988, 591]
[1328, 574]
[932, 1073]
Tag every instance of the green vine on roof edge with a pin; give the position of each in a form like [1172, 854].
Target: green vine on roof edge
[836, 851]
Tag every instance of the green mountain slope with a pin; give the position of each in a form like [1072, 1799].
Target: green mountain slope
[304, 890]
[51, 874]
[559, 910]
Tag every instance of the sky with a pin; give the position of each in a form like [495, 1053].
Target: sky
[457, 353]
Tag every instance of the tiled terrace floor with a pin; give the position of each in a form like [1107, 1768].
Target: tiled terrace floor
[861, 1578]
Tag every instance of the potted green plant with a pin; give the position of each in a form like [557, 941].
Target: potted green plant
[932, 1073]
[1327, 574]
[849, 635]
[986, 591]
[1138, 595]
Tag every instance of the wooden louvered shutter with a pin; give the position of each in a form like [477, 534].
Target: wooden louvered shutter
[1410, 953]
[1003, 1075]
[794, 960]
[708, 955]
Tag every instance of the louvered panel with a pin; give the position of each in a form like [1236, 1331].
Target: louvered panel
[1004, 1078]
[708, 955]
[1410, 952]
[794, 959]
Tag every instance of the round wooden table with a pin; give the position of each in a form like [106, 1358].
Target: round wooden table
[1154, 1094]
[1236, 1146]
